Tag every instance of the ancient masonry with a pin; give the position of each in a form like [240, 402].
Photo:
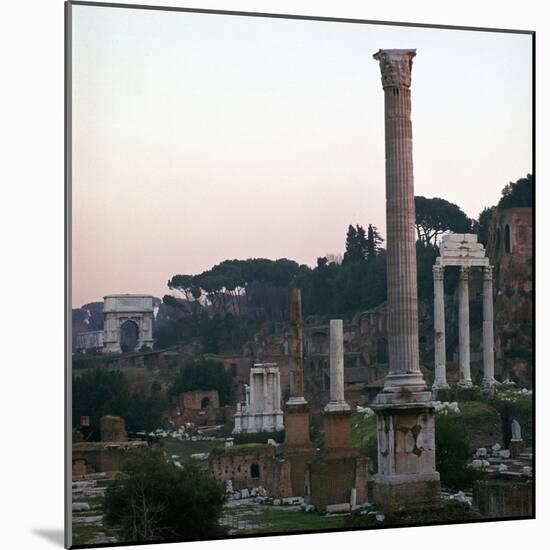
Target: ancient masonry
[296, 410]
[464, 251]
[120, 309]
[404, 408]
[262, 409]
[337, 413]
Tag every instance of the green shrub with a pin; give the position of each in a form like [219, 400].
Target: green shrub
[453, 452]
[155, 500]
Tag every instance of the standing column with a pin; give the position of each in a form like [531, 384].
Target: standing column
[404, 408]
[404, 368]
[465, 379]
[337, 401]
[488, 337]
[440, 381]
[296, 349]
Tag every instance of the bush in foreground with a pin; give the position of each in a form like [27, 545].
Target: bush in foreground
[153, 499]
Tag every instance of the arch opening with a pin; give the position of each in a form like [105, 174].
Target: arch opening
[129, 336]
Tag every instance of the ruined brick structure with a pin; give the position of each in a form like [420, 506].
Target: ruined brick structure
[107, 455]
[246, 468]
[113, 428]
[510, 248]
[498, 498]
[201, 407]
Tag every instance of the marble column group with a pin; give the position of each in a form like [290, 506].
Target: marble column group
[465, 378]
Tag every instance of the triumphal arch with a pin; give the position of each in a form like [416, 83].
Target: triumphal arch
[127, 322]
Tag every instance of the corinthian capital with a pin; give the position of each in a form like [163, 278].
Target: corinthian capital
[395, 66]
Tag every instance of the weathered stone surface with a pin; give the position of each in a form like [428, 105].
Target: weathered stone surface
[113, 428]
[500, 498]
[262, 411]
[337, 401]
[440, 382]
[337, 427]
[296, 348]
[464, 329]
[405, 415]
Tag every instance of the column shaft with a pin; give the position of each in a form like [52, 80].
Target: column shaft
[465, 378]
[440, 381]
[337, 401]
[404, 368]
[488, 336]
[296, 348]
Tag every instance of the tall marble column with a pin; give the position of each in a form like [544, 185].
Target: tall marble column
[465, 378]
[404, 408]
[488, 336]
[404, 369]
[296, 349]
[440, 381]
[337, 401]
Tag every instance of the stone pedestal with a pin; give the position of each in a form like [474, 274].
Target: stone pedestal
[337, 428]
[406, 456]
[297, 426]
[405, 416]
[465, 378]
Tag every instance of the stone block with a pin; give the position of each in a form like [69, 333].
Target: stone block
[397, 496]
[337, 427]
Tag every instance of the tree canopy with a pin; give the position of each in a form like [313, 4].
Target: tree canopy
[482, 224]
[100, 391]
[437, 216]
[153, 499]
[517, 194]
[361, 245]
[204, 373]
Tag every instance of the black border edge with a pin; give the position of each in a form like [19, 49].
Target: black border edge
[534, 231]
[68, 531]
[295, 16]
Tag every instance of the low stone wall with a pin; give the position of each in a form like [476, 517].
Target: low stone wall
[101, 457]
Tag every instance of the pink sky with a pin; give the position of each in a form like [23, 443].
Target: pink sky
[198, 138]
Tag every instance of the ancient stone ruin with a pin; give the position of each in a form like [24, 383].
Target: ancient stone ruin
[463, 250]
[404, 408]
[261, 411]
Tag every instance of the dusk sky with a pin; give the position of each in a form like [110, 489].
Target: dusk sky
[199, 138]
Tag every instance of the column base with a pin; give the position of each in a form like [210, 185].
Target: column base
[465, 384]
[336, 406]
[395, 495]
[397, 383]
[440, 386]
